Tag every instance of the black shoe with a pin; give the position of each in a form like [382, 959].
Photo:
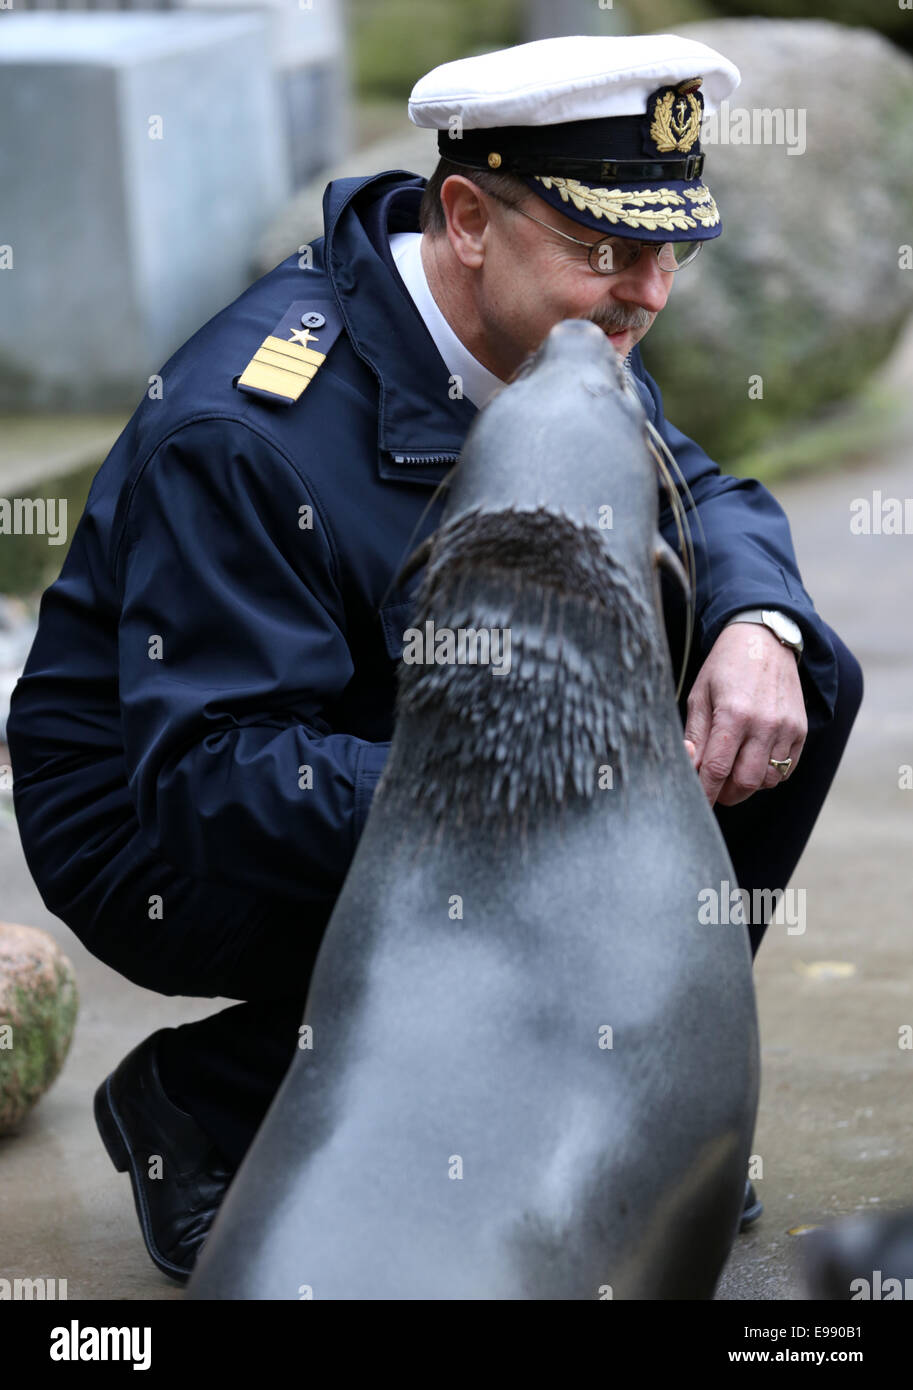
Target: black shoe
[752, 1208]
[139, 1125]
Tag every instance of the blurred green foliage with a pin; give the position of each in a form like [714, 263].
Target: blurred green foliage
[839, 436]
[394, 42]
[664, 16]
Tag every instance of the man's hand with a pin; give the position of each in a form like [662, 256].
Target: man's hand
[745, 707]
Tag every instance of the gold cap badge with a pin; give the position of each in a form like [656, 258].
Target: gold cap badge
[677, 113]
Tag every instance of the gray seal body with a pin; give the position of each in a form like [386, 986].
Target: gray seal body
[534, 1070]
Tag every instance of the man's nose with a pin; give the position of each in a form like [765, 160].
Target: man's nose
[643, 283]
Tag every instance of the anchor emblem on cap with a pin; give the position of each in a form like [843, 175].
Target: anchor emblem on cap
[677, 112]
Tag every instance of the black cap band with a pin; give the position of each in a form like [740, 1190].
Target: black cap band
[611, 173]
[610, 148]
[590, 170]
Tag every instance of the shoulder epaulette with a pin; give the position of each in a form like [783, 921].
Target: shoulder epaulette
[293, 353]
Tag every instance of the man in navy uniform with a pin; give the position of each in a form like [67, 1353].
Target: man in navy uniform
[209, 700]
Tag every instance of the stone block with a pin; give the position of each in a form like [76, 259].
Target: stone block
[149, 155]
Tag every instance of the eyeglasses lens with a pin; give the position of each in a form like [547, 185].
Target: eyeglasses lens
[614, 254]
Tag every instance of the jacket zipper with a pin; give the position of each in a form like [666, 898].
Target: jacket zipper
[452, 458]
[425, 458]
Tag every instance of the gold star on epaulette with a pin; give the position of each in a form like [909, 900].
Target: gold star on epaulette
[303, 336]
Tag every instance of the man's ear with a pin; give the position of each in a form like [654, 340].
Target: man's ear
[466, 212]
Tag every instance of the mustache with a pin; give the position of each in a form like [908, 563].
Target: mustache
[617, 319]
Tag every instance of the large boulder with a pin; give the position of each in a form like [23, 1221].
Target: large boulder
[893, 20]
[805, 287]
[38, 1005]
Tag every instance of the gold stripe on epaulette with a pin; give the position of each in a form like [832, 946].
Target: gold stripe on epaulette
[282, 368]
[300, 354]
[287, 364]
[264, 377]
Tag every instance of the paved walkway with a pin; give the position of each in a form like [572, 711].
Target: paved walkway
[835, 1128]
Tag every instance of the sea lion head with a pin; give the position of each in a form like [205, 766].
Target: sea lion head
[547, 545]
[566, 437]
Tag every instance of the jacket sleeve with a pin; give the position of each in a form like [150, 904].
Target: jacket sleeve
[744, 557]
[232, 645]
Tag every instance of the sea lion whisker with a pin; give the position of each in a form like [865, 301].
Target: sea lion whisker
[658, 449]
[666, 455]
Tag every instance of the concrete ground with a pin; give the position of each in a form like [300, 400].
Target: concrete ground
[835, 1128]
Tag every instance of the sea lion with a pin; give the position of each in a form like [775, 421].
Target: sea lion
[534, 1070]
[861, 1257]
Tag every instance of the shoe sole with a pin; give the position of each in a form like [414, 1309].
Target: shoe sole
[115, 1141]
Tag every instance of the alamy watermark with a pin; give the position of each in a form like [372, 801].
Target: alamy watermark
[462, 646]
[759, 125]
[879, 1287]
[79, 1342]
[881, 516]
[34, 516]
[731, 905]
[26, 1290]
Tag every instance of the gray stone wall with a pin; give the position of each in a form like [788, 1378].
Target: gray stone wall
[149, 155]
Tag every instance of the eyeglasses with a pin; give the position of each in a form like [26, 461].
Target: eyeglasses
[612, 254]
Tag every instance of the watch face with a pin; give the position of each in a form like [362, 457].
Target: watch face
[783, 626]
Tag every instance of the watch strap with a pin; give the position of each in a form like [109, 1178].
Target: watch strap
[756, 615]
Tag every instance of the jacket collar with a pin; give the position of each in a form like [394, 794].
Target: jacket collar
[418, 420]
[421, 430]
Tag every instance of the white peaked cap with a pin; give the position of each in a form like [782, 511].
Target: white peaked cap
[604, 128]
[582, 77]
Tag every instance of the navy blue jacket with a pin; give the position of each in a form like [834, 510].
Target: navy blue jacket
[203, 644]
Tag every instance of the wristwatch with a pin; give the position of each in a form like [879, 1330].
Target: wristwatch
[782, 626]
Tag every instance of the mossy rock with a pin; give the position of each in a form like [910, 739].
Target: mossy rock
[38, 1006]
[805, 292]
[888, 19]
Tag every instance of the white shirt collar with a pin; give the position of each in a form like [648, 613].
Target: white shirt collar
[478, 383]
